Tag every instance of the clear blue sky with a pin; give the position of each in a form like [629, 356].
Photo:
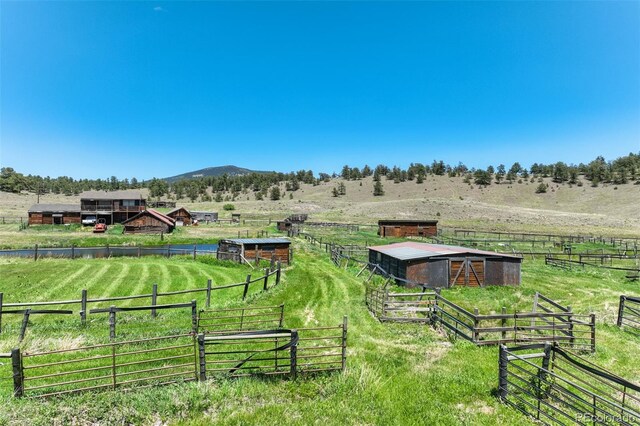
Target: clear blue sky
[94, 89]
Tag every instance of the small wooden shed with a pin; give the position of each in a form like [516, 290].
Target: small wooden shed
[54, 214]
[149, 221]
[441, 266]
[284, 225]
[181, 215]
[407, 228]
[252, 248]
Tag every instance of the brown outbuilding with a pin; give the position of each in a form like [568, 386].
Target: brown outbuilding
[407, 228]
[249, 249]
[181, 215]
[54, 214]
[441, 266]
[149, 221]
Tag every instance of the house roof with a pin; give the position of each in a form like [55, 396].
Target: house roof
[156, 214]
[259, 240]
[416, 221]
[412, 250]
[54, 208]
[129, 194]
[177, 210]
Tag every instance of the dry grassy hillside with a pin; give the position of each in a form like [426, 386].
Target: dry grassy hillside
[612, 210]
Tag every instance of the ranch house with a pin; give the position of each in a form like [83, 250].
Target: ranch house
[441, 266]
[54, 214]
[407, 228]
[148, 222]
[112, 206]
[249, 249]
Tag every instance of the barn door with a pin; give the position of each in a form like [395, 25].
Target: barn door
[466, 272]
[456, 272]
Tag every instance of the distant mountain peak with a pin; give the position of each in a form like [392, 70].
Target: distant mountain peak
[230, 170]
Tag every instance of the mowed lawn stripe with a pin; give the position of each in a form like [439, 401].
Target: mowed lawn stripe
[60, 289]
[112, 286]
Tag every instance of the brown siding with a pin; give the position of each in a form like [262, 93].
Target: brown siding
[47, 218]
[407, 230]
[418, 271]
[181, 215]
[146, 224]
[281, 252]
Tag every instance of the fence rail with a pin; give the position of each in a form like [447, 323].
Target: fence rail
[629, 313]
[548, 321]
[554, 260]
[179, 358]
[270, 279]
[223, 321]
[555, 386]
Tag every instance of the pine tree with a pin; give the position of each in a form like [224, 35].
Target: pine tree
[378, 190]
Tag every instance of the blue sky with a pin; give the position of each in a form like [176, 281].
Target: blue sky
[94, 89]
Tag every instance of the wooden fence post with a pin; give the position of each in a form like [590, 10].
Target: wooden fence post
[344, 342]
[73, 251]
[503, 373]
[112, 322]
[476, 333]
[18, 374]
[25, 322]
[35, 253]
[208, 303]
[194, 251]
[278, 272]
[1, 295]
[272, 265]
[620, 309]
[294, 355]
[201, 356]
[108, 251]
[83, 307]
[503, 324]
[266, 279]
[246, 287]
[154, 299]
[194, 317]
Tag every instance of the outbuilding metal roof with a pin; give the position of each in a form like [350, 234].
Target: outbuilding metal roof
[259, 240]
[55, 208]
[411, 250]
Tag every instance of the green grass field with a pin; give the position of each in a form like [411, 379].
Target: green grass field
[396, 374]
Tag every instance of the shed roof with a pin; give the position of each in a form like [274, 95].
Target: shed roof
[415, 221]
[54, 208]
[156, 214]
[259, 240]
[411, 250]
[128, 194]
[176, 210]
